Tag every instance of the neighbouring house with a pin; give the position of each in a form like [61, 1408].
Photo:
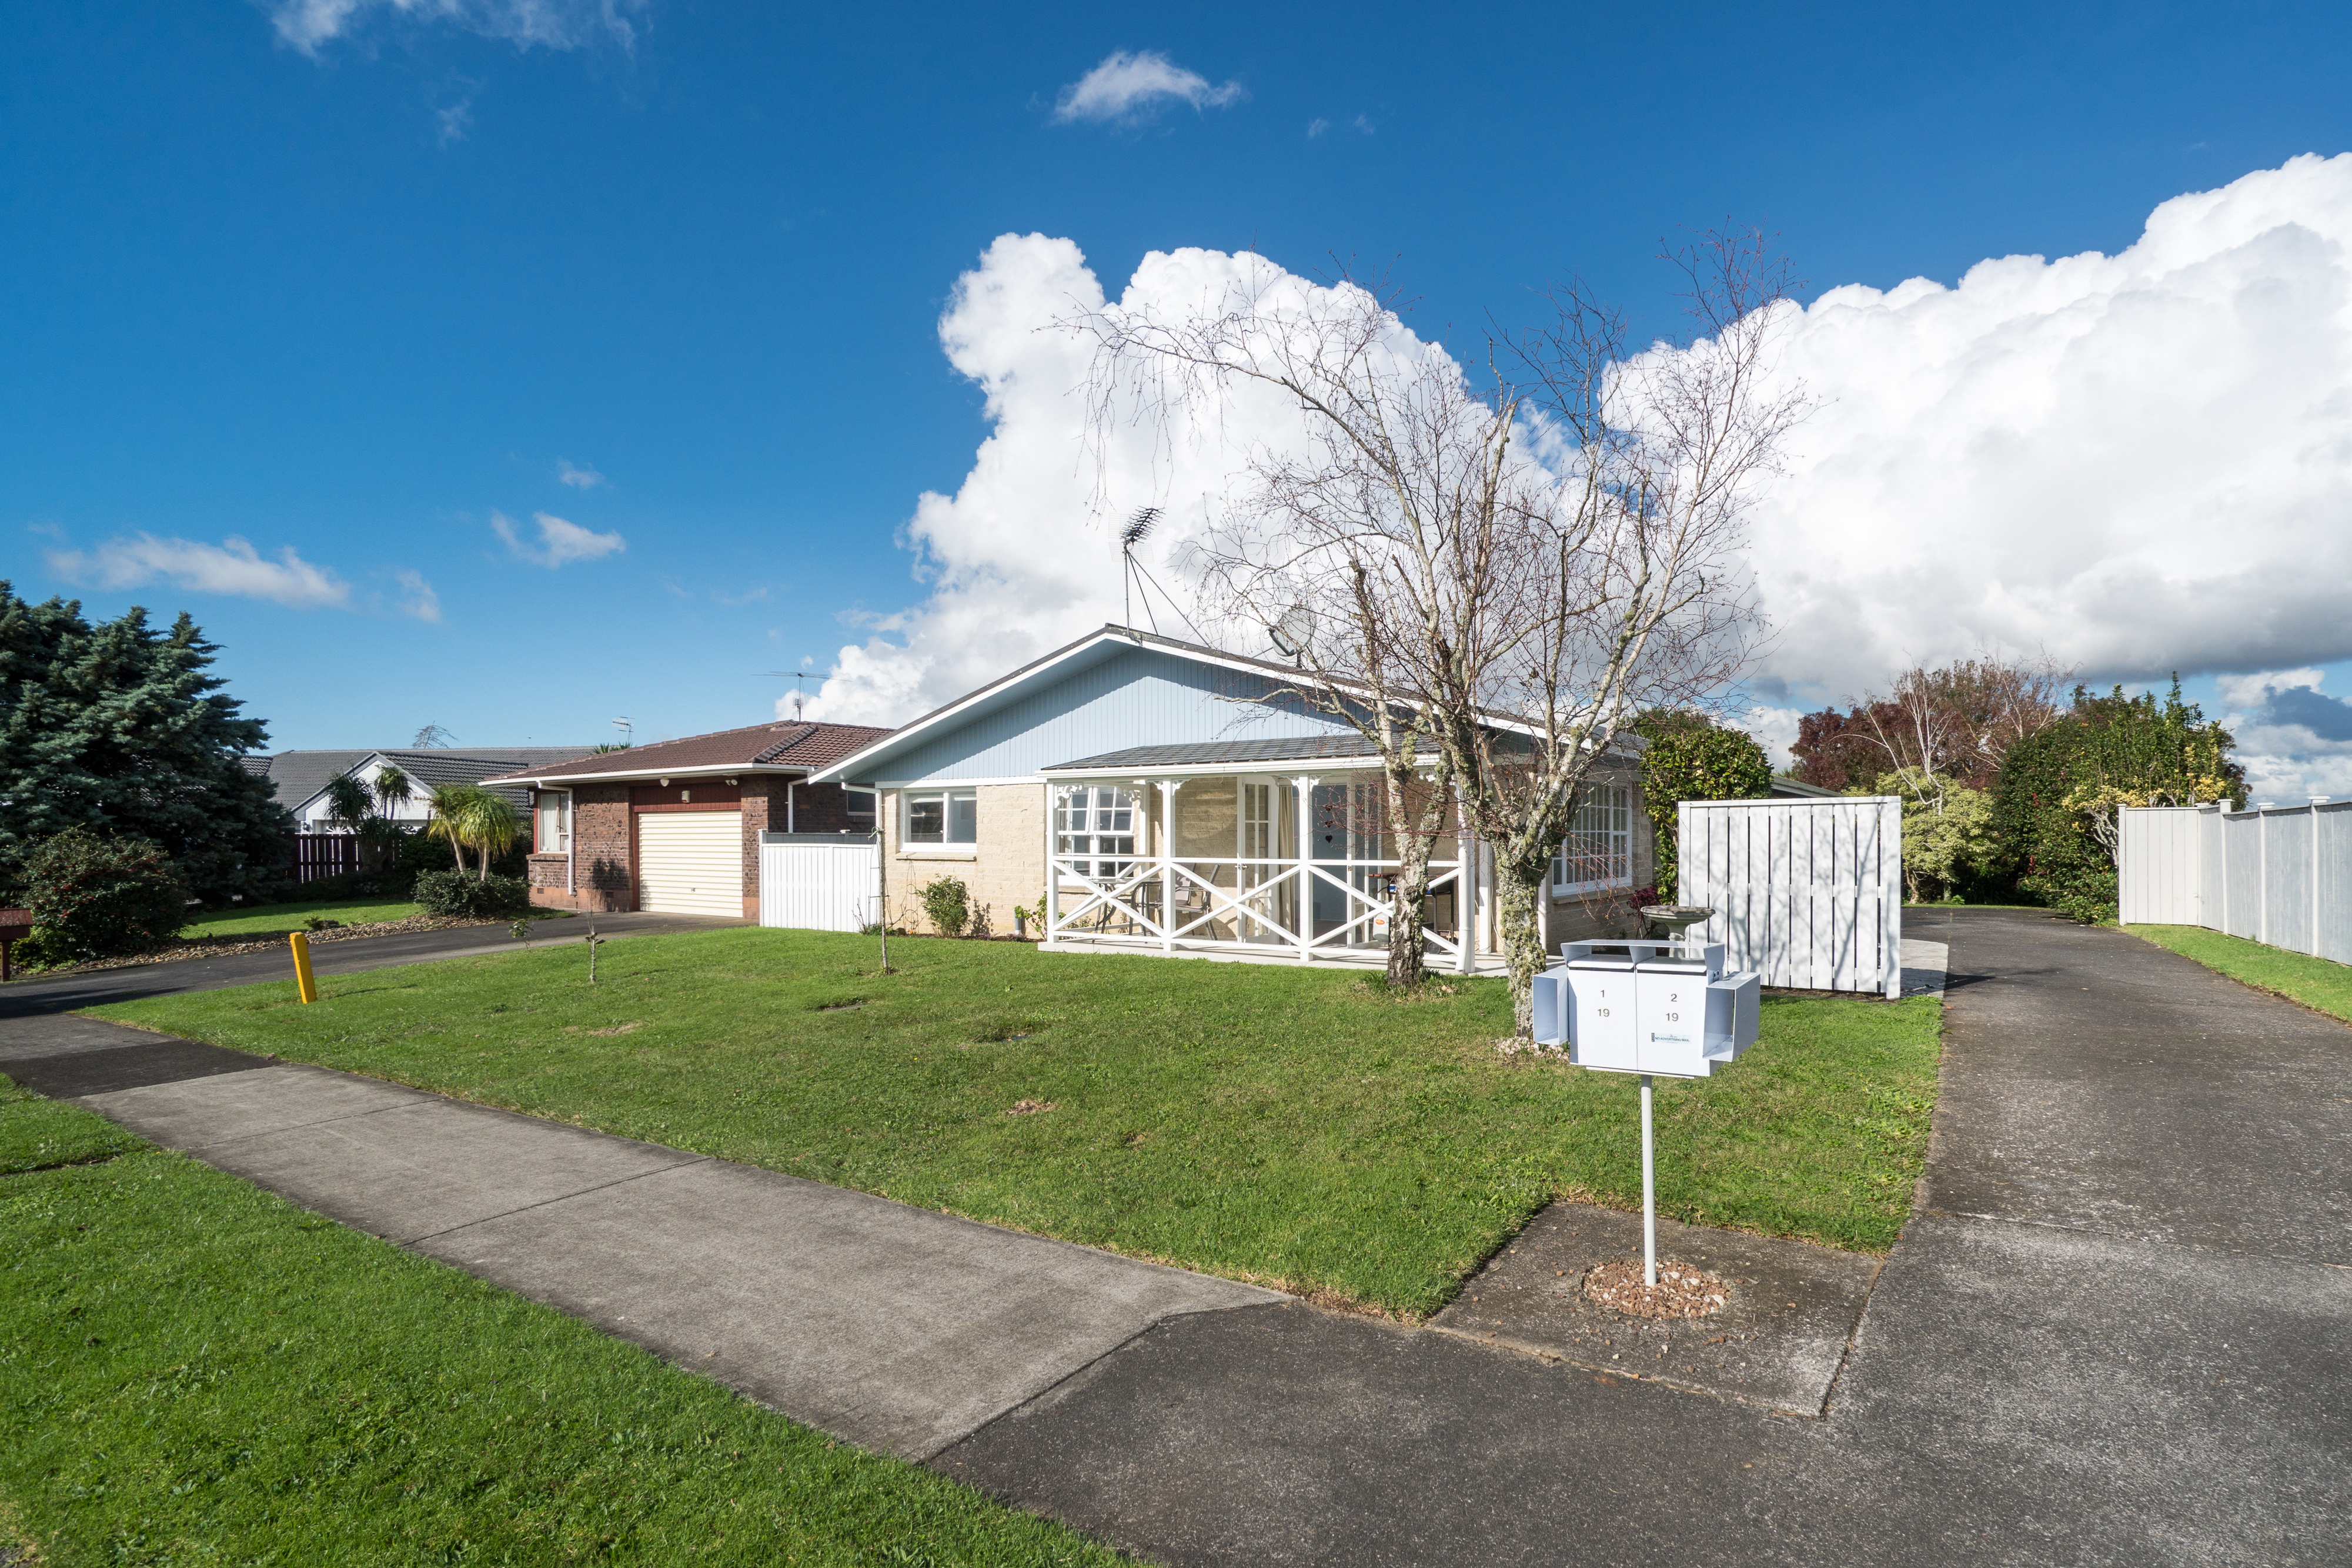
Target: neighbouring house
[675, 826]
[1152, 795]
[299, 780]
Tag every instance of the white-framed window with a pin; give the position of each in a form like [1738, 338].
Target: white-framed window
[1094, 825]
[1599, 850]
[939, 817]
[550, 827]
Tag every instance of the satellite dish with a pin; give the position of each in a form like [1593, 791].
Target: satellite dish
[1291, 629]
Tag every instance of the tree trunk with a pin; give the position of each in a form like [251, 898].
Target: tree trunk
[1412, 887]
[1518, 901]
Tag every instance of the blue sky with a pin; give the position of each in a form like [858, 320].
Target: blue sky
[359, 301]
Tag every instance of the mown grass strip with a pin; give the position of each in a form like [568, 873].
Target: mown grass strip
[1303, 1127]
[193, 1371]
[269, 919]
[2319, 984]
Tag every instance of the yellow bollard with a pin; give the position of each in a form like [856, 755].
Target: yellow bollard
[302, 980]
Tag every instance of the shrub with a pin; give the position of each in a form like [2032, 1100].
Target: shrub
[463, 894]
[419, 856]
[947, 903]
[38, 949]
[100, 896]
[1690, 758]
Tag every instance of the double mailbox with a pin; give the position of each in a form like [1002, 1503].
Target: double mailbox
[1660, 1008]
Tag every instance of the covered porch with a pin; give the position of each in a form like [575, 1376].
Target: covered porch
[1263, 850]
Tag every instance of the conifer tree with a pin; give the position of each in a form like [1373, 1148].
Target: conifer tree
[118, 727]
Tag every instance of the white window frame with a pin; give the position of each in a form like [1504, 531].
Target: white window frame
[1602, 824]
[560, 800]
[1098, 848]
[947, 800]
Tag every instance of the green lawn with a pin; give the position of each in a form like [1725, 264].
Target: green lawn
[1297, 1126]
[269, 919]
[194, 1372]
[2318, 983]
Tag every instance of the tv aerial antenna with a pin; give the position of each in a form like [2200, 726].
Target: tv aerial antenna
[628, 729]
[1137, 582]
[800, 692]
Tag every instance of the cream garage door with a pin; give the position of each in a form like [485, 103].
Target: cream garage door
[690, 862]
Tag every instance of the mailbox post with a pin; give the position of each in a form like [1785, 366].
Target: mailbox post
[1653, 1009]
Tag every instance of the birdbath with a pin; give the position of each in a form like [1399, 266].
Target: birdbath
[1674, 918]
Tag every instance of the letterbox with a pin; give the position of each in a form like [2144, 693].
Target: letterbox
[1660, 1008]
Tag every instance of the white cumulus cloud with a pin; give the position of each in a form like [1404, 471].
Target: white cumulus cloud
[232, 567]
[559, 542]
[2138, 463]
[578, 475]
[1021, 558]
[1131, 87]
[2132, 464]
[310, 25]
[2293, 739]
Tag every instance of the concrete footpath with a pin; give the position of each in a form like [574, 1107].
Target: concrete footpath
[898, 1328]
[2118, 1331]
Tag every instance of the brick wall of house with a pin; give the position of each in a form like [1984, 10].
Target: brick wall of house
[602, 847]
[1004, 869]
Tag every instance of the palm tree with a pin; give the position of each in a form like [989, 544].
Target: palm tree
[472, 817]
[449, 806]
[392, 787]
[495, 826]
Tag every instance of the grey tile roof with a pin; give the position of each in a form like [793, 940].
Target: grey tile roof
[1216, 753]
[296, 777]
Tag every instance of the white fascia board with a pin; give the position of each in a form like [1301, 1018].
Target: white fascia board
[355, 769]
[1032, 673]
[644, 775]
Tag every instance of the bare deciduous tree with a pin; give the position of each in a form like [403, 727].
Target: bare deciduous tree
[1625, 591]
[1487, 584]
[1360, 553]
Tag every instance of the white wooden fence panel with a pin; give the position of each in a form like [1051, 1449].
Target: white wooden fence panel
[2160, 853]
[1807, 893]
[822, 886]
[2280, 875]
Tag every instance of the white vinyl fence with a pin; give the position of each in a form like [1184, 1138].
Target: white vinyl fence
[820, 881]
[1807, 893]
[2276, 874]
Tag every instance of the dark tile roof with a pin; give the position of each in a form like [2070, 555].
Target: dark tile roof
[787, 743]
[1215, 753]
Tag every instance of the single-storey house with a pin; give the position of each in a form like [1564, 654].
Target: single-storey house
[1152, 795]
[675, 825]
[299, 780]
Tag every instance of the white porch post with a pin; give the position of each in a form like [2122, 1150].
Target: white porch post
[1168, 788]
[1306, 788]
[1466, 888]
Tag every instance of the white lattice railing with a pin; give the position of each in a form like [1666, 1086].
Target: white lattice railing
[1176, 903]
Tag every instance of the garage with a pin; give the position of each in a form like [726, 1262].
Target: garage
[690, 862]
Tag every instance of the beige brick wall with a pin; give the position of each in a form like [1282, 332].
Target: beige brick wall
[1005, 868]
